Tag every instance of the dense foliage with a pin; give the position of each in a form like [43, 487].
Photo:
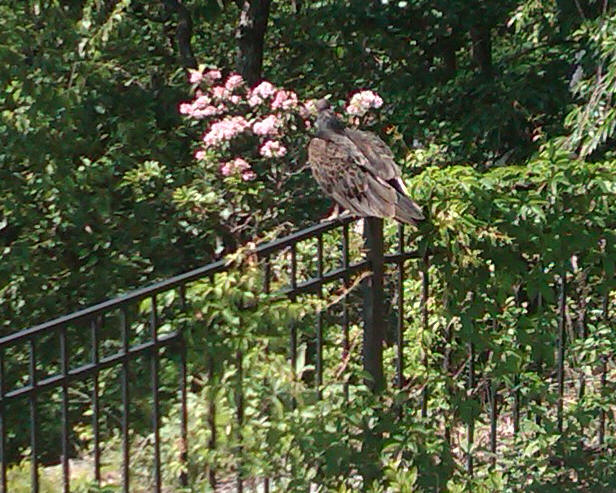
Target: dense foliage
[502, 117]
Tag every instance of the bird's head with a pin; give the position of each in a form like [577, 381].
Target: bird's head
[327, 121]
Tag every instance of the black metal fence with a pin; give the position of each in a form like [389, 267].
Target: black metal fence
[81, 349]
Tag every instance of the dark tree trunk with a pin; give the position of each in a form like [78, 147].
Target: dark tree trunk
[250, 37]
[448, 46]
[482, 48]
[183, 33]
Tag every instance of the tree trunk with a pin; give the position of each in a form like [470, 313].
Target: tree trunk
[448, 47]
[482, 48]
[183, 33]
[250, 37]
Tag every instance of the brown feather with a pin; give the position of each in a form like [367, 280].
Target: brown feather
[358, 171]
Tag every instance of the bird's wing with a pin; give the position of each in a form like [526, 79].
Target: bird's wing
[377, 152]
[344, 174]
[383, 165]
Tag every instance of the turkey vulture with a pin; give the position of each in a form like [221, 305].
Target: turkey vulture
[357, 170]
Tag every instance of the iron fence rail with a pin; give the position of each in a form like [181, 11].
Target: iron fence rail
[27, 390]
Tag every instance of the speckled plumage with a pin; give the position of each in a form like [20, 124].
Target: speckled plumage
[357, 169]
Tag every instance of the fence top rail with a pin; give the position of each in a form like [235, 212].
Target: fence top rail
[262, 250]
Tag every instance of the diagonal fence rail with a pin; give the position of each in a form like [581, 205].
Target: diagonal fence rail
[138, 341]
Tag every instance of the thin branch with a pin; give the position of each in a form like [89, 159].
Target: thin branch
[580, 10]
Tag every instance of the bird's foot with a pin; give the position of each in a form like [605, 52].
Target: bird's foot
[336, 214]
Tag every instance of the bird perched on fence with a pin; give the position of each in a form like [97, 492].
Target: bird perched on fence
[357, 170]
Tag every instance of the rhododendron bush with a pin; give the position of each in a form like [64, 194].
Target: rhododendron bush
[252, 149]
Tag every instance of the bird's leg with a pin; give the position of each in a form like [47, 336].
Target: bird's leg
[335, 213]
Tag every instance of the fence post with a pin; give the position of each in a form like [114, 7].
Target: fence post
[374, 329]
[374, 311]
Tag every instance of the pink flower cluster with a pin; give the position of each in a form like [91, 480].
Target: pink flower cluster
[233, 82]
[284, 100]
[238, 165]
[272, 148]
[260, 93]
[225, 130]
[201, 107]
[197, 76]
[362, 101]
[267, 126]
[273, 109]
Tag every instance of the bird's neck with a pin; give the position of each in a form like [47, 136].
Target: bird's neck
[329, 125]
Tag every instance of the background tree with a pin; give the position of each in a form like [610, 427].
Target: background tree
[500, 114]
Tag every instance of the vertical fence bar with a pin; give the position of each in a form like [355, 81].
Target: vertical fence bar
[183, 397]
[239, 396]
[515, 411]
[33, 420]
[603, 381]
[561, 349]
[374, 310]
[267, 273]
[212, 420]
[293, 268]
[447, 372]
[319, 327]
[516, 404]
[425, 293]
[94, 328]
[3, 458]
[155, 393]
[125, 403]
[471, 424]
[400, 321]
[582, 334]
[183, 416]
[346, 343]
[540, 369]
[293, 341]
[602, 392]
[493, 418]
[65, 441]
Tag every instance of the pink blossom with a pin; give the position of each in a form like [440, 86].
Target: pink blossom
[248, 175]
[220, 92]
[272, 148]
[268, 126]
[260, 93]
[201, 101]
[207, 111]
[362, 101]
[284, 100]
[185, 108]
[264, 90]
[200, 107]
[308, 108]
[255, 100]
[200, 154]
[212, 75]
[225, 130]
[238, 165]
[233, 82]
[235, 99]
[226, 168]
[195, 76]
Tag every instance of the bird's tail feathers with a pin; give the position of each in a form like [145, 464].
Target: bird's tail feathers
[408, 211]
